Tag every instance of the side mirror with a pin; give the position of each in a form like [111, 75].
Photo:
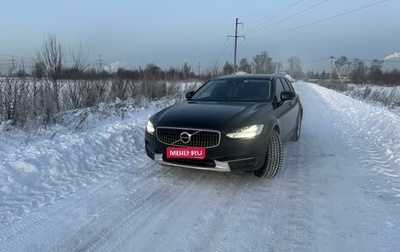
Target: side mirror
[287, 95]
[189, 95]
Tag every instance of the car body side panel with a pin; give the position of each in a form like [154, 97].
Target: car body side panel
[288, 112]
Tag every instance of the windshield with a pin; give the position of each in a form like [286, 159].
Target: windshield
[243, 90]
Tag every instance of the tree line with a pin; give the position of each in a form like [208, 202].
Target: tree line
[36, 98]
[357, 71]
[50, 64]
[53, 86]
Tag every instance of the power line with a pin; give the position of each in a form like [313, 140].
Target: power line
[14, 56]
[10, 63]
[321, 20]
[284, 19]
[223, 49]
[316, 60]
[271, 16]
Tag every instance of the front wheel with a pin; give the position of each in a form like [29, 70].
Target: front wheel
[273, 161]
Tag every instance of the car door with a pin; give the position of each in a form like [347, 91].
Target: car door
[294, 104]
[286, 111]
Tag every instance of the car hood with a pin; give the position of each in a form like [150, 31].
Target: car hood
[212, 115]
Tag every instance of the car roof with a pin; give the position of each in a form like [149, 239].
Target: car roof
[247, 76]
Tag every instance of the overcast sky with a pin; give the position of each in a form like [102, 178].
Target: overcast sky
[172, 32]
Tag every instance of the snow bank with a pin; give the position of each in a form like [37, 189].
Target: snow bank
[374, 130]
[35, 170]
[387, 96]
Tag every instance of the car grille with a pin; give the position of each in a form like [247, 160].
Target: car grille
[188, 137]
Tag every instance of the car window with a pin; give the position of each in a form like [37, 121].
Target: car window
[285, 84]
[254, 90]
[236, 90]
[209, 91]
[289, 84]
[278, 90]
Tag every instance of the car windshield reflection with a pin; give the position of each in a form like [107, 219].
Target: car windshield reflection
[234, 91]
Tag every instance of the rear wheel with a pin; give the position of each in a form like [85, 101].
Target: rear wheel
[273, 161]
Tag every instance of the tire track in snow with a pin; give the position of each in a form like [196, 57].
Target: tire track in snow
[373, 153]
[28, 227]
[226, 190]
[76, 162]
[143, 203]
[122, 229]
[346, 213]
[375, 160]
[187, 220]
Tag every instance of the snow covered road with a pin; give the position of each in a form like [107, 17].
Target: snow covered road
[338, 190]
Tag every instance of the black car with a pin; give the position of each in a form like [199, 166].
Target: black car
[232, 123]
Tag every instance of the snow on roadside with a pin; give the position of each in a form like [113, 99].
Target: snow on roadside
[67, 156]
[375, 125]
[387, 96]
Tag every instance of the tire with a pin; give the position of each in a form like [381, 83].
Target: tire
[297, 131]
[273, 161]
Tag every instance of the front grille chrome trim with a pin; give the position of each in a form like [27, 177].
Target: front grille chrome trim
[199, 137]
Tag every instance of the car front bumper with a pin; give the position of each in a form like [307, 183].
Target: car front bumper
[231, 155]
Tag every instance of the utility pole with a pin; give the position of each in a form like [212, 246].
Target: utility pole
[198, 68]
[100, 63]
[338, 73]
[330, 73]
[236, 37]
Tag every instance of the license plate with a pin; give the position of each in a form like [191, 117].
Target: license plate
[189, 152]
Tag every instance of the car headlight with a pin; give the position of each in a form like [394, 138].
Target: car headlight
[150, 128]
[246, 132]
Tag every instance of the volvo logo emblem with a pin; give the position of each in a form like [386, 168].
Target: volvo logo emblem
[185, 137]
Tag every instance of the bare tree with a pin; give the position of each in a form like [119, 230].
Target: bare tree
[278, 67]
[294, 68]
[38, 69]
[244, 65]
[79, 59]
[14, 100]
[51, 56]
[375, 71]
[186, 69]
[228, 68]
[359, 71]
[213, 69]
[263, 63]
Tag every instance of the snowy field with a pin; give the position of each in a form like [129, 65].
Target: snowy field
[388, 96]
[87, 185]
